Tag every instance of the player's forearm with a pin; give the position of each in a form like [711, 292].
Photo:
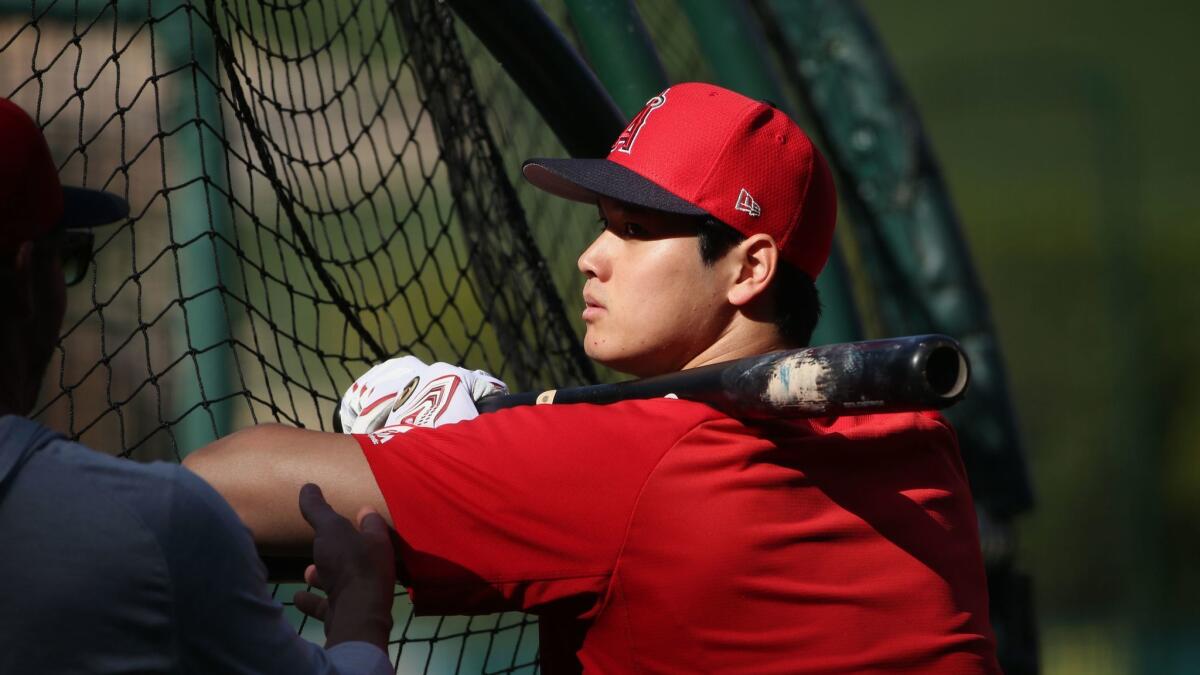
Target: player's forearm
[245, 468]
[260, 470]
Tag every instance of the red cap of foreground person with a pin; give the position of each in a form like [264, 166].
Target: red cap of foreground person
[32, 200]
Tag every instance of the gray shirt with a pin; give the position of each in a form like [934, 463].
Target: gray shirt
[108, 565]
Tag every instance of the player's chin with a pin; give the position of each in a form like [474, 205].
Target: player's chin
[595, 346]
[602, 350]
[622, 360]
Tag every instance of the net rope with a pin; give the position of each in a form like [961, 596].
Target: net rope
[314, 186]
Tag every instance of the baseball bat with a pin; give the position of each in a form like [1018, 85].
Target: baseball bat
[919, 372]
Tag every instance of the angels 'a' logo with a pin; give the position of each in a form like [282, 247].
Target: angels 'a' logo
[626, 139]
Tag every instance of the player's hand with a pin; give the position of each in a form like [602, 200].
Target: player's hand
[356, 569]
[405, 391]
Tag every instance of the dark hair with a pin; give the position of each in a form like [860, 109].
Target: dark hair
[797, 304]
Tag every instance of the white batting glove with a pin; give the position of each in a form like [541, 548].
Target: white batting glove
[405, 392]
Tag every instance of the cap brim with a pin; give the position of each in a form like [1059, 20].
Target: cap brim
[83, 207]
[585, 180]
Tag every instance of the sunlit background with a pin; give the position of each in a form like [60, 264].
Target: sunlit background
[1068, 134]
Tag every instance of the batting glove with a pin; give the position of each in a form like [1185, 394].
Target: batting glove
[405, 392]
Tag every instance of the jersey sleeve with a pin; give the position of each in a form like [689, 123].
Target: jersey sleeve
[522, 509]
[226, 620]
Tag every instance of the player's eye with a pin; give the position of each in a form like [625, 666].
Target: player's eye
[626, 229]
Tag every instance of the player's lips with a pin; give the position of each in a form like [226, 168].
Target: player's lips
[593, 307]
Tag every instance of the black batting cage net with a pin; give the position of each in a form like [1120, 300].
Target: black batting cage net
[314, 187]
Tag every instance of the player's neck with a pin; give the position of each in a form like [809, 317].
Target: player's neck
[739, 341]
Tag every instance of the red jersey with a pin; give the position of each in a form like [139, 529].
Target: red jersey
[664, 536]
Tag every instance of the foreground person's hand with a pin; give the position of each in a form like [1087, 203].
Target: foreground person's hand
[356, 569]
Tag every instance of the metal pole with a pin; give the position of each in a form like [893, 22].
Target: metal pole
[200, 224]
[553, 76]
[81, 11]
[620, 50]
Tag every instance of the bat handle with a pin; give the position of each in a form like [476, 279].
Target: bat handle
[335, 425]
[495, 402]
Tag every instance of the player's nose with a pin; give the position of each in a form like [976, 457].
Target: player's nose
[594, 261]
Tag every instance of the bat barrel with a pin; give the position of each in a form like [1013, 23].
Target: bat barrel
[921, 372]
[945, 370]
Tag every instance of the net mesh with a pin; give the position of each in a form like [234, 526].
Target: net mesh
[561, 228]
[314, 186]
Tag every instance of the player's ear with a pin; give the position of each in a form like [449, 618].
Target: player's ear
[757, 259]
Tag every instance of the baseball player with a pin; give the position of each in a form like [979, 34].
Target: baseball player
[111, 566]
[662, 535]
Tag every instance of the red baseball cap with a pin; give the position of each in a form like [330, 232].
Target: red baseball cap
[32, 200]
[697, 149]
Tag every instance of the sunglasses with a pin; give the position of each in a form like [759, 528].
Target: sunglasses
[75, 254]
[74, 251]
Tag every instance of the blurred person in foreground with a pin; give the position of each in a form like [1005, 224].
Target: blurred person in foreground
[662, 535]
[111, 566]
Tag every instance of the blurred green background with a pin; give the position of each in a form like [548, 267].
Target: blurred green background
[1067, 134]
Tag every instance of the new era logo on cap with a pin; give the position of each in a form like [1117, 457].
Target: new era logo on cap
[746, 204]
